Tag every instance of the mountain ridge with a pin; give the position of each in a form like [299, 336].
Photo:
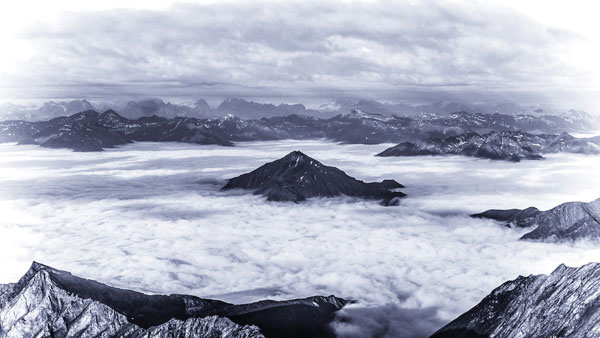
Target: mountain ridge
[565, 222]
[561, 304]
[249, 109]
[497, 145]
[92, 131]
[61, 304]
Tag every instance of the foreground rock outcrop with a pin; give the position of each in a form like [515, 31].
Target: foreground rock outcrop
[47, 302]
[562, 304]
[498, 145]
[568, 221]
[296, 177]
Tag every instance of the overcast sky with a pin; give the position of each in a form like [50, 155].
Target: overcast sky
[301, 51]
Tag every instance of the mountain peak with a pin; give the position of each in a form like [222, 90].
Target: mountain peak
[201, 104]
[297, 176]
[86, 115]
[296, 156]
[33, 270]
[110, 112]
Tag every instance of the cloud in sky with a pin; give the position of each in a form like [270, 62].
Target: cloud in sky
[379, 49]
[150, 216]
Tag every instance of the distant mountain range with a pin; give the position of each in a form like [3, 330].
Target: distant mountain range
[296, 177]
[155, 106]
[440, 107]
[562, 304]
[47, 302]
[498, 145]
[566, 222]
[245, 109]
[92, 131]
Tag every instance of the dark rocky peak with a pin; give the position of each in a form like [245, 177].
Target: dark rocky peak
[562, 304]
[112, 114]
[85, 116]
[298, 158]
[296, 177]
[111, 118]
[232, 123]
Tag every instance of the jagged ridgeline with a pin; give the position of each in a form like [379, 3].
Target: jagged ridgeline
[47, 302]
[498, 145]
[562, 304]
[566, 222]
[296, 177]
[92, 131]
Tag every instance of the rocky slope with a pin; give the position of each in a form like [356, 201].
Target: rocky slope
[568, 221]
[47, 302]
[562, 304]
[498, 145]
[296, 177]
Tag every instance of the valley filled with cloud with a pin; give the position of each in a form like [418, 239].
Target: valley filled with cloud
[151, 217]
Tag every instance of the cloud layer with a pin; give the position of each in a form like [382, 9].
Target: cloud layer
[382, 49]
[150, 216]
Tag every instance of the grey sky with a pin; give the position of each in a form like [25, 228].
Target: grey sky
[300, 51]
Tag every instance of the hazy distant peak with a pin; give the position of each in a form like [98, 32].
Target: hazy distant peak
[201, 104]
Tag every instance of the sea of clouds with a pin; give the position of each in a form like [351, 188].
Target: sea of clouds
[151, 217]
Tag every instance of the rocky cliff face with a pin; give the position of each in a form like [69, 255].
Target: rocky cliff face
[568, 221]
[297, 177]
[498, 145]
[562, 304]
[47, 302]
